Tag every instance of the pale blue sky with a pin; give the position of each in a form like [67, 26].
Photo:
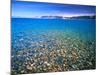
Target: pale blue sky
[35, 9]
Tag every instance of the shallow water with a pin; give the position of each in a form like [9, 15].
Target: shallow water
[49, 45]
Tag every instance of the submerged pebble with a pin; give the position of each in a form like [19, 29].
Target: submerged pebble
[49, 53]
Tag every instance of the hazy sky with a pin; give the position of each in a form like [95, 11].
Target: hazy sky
[36, 9]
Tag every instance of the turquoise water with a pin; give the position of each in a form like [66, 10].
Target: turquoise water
[83, 27]
[33, 38]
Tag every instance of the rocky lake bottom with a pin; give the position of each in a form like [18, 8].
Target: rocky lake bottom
[51, 51]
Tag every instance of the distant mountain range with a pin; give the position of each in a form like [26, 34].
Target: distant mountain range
[75, 17]
[84, 17]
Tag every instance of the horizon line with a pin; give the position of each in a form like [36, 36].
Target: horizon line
[53, 16]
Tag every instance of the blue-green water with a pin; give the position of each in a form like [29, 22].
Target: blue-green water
[33, 38]
[83, 27]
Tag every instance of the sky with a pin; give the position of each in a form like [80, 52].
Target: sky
[37, 9]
